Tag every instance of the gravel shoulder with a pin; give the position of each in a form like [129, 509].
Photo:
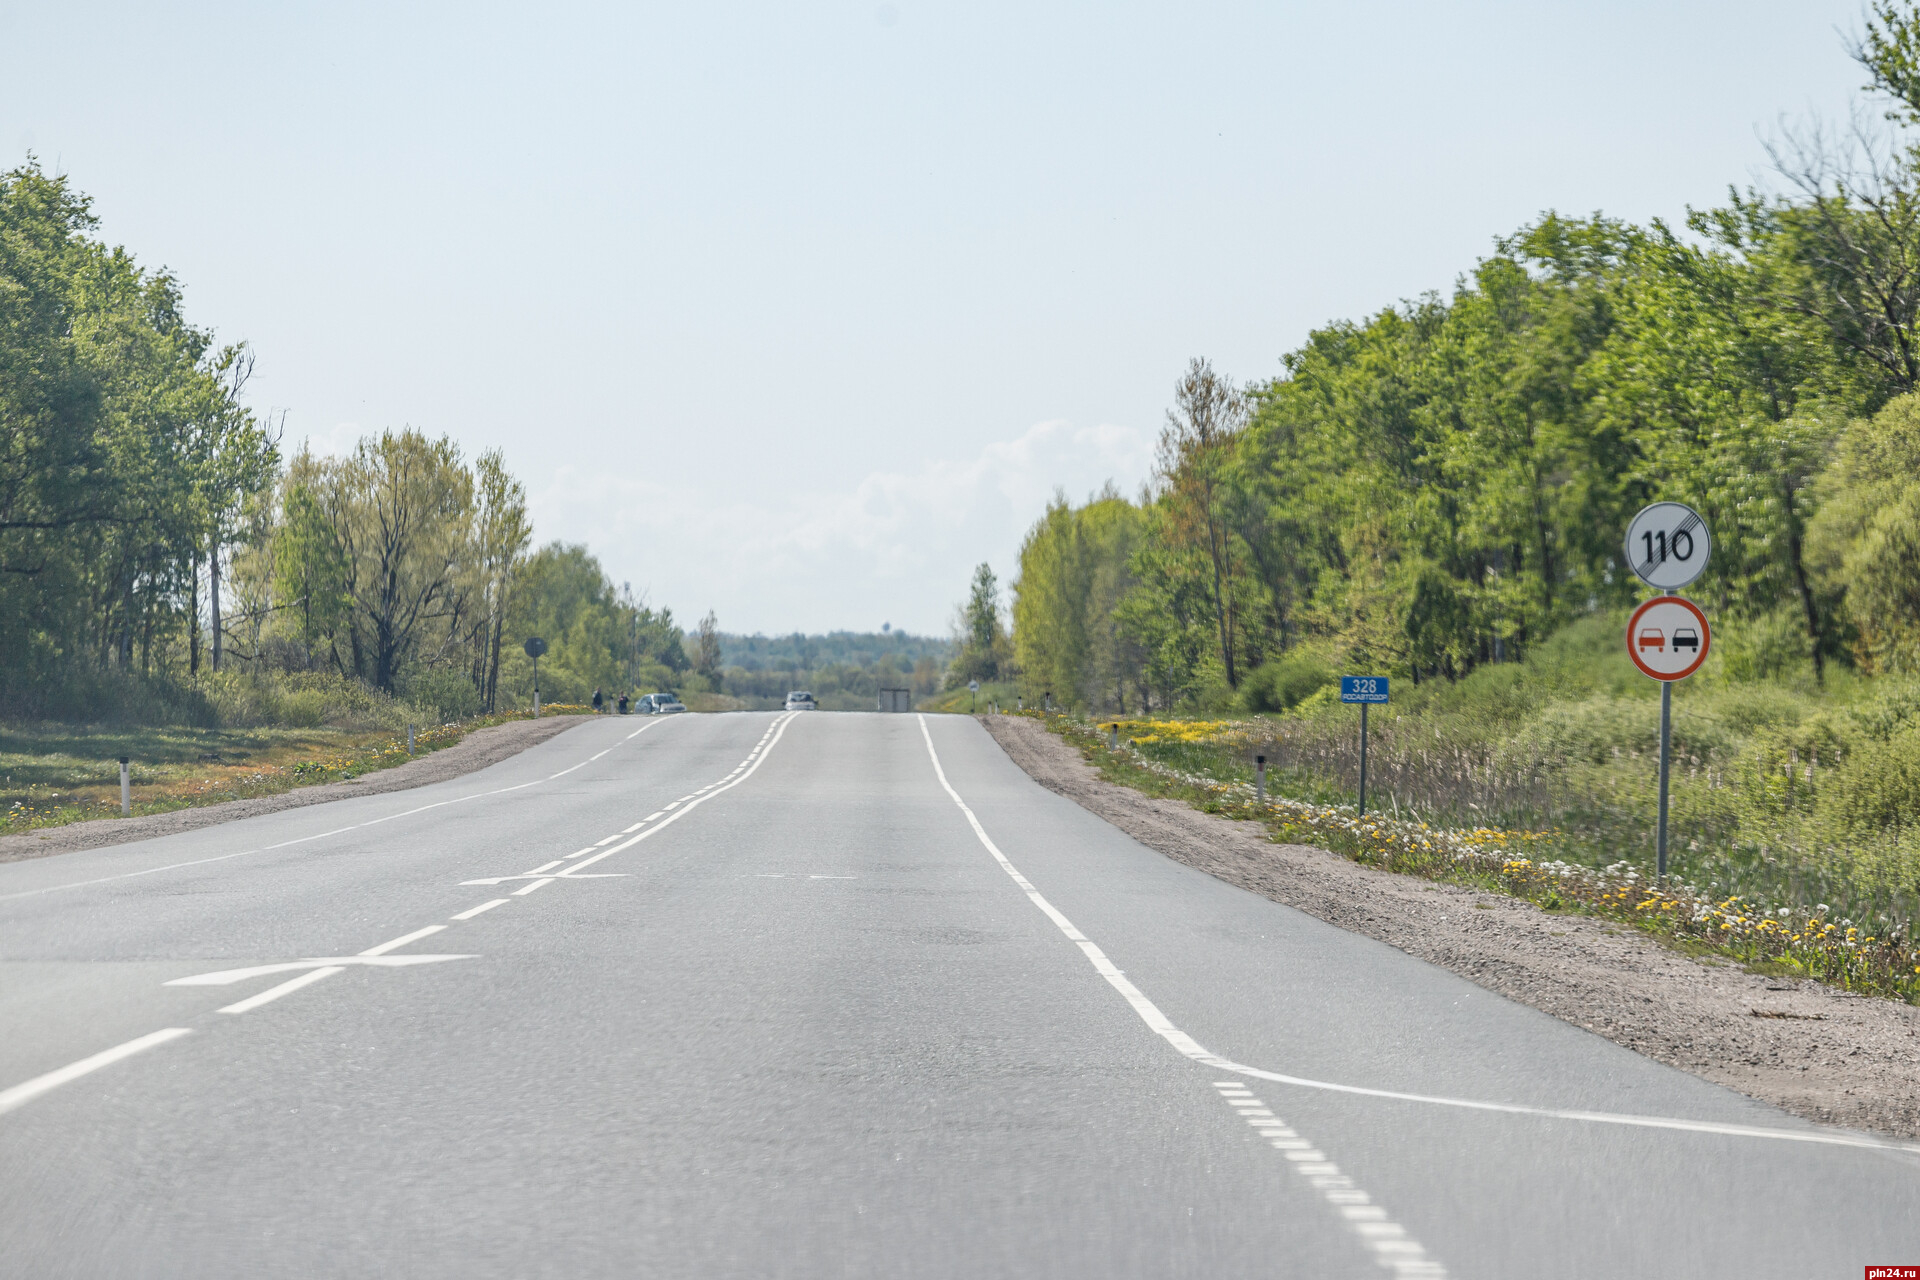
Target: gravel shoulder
[476, 751]
[1817, 1052]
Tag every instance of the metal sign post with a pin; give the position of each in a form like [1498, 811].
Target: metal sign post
[973, 687]
[1364, 690]
[535, 646]
[1667, 637]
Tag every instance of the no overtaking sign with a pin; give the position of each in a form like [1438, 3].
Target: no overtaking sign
[1668, 637]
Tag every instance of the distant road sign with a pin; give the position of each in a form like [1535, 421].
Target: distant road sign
[1668, 638]
[535, 646]
[973, 686]
[1363, 688]
[1668, 545]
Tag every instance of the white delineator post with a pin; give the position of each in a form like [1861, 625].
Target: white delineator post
[1260, 778]
[409, 739]
[126, 789]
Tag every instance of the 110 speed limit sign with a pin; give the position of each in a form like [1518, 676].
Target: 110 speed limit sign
[1668, 545]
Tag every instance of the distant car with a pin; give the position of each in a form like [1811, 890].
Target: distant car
[1686, 638]
[1653, 638]
[801, 700]
[660, 704]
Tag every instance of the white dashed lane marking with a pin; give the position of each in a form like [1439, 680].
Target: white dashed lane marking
[1390, 1243]
[28, 1090]
[314, 970]
[284, 844]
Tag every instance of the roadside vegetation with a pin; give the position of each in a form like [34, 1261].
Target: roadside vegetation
[1207, 763]
[1437, 493]
[55, 774]
[164, 563]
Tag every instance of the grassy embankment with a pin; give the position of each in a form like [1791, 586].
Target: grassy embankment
[54, 774]
[1795, 814]
[1003, 695]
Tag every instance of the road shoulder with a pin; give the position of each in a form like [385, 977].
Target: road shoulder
[1816, 1052]
[479, 749]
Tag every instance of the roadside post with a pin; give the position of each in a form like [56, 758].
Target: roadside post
[535, 646]
[1365, 690]
[1668, 546]
[1260, 777]
[1113, 737]
[126, 789]
[973, 687]
[409, 739]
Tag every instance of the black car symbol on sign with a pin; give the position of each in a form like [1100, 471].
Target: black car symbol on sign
[1686, 638]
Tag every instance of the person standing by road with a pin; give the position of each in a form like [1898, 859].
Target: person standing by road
[623, 704]
[598, 701]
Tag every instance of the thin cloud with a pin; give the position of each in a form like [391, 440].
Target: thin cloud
[894, 546]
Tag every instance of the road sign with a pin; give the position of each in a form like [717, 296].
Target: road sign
[1668, 638]
[1363, 689]
[973, 686]
[1668, 545]
[535, 646]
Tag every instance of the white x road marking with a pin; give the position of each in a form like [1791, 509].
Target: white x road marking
[227, 977]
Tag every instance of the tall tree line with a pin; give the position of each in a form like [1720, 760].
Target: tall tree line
[1444, 483]
[127, 459]
[153, 537]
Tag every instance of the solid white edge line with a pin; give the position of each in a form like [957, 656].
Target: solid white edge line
[286, 988]
[1180, 1040]
[1416, 1254]
[27, 1091]
[471, 912]
[268, 848]
[415, 936]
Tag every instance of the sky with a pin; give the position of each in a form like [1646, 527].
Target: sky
[799, 311]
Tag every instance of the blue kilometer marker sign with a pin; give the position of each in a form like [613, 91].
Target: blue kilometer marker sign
[1363, 688]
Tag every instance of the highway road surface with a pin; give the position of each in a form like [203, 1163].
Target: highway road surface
[821, 995]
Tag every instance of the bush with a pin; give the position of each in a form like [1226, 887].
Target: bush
[1281, 683]
[1773, 646]
[445, 695]
[306, 700]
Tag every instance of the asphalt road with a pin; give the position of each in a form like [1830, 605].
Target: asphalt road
[809, 1021]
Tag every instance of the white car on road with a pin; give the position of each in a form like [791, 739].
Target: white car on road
[660, 704]
[801, 700]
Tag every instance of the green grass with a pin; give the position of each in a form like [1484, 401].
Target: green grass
[53, 774]
[1806, 941]
[1786, 791]
[963, 701]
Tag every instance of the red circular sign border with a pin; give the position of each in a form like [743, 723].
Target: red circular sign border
[1706, 637]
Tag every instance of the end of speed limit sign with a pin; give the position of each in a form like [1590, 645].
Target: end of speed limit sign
[1668, 638]
[1668, 545]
